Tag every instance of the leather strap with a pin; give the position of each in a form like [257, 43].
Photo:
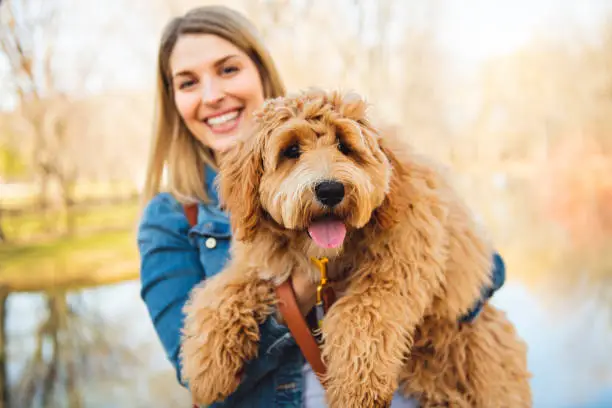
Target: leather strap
[191, 212]
[298, 328]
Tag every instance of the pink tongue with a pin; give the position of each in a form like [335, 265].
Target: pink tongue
[328, 233]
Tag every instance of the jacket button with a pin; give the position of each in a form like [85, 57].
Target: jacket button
[210, 243]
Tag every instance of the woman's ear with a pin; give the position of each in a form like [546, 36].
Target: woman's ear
[241, 169]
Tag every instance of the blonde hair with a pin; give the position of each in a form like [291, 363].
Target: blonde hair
[173, 144]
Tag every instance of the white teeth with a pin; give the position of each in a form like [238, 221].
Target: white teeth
[221, 119]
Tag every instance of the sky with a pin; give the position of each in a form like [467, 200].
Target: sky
[474, 30]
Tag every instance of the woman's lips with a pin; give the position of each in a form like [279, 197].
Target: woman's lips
[225, 122]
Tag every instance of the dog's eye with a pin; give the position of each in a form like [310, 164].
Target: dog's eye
[344, 149]
[292, 152]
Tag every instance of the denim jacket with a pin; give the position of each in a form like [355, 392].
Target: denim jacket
[176, 257]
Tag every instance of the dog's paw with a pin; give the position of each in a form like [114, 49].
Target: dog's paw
[359, 392]
[207, 389]
[356, 395]
[216, 344]
[363, 359]
[214, 359]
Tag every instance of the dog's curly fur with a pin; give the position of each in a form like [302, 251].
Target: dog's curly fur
[413, 260]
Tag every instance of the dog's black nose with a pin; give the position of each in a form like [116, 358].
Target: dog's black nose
[329, 193]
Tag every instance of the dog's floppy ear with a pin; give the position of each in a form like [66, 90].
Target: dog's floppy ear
[396, 201]
[240, 174]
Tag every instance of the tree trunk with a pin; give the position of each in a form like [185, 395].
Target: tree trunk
[67, 186]
[56, 304]
[4, 386]
[2, 234]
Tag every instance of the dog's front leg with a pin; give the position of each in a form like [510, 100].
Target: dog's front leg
[368, 333]
[221, 331]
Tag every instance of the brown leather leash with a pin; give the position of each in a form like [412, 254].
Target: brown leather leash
[191, 212]
[296, 323]
[298, 327]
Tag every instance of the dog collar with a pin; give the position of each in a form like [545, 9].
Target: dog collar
[326, 295]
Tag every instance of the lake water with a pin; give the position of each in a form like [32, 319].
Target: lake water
[570, 347]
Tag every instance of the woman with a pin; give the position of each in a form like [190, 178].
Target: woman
[213, 72]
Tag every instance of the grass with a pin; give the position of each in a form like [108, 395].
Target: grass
[31, 226]
[101, 250]
[22, 195]
[101, 258]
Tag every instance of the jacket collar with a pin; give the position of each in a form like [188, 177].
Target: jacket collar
[210, 175]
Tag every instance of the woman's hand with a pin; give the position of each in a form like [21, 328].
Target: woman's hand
[305, 295]
[305, 292]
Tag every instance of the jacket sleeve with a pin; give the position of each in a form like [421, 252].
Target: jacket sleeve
[169, 268]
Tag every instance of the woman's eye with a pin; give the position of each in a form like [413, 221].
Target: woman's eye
[230, 69]
[186, 84]
[292, 152]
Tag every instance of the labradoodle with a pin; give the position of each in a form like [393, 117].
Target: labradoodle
[318, 179]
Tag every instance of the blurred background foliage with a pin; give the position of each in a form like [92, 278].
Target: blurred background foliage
[515, 97]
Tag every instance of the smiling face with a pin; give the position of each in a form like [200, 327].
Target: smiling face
[216, 89]
[314, 167]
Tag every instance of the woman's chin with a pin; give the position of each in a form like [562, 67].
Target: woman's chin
[224, 144]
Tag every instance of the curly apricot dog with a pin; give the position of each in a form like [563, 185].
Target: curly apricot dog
[317, 179]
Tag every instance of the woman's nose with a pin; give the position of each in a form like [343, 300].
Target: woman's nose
[212, 92]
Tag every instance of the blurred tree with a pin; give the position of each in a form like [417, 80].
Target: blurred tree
[543, 94]
[25, 23]
[386, 51]
[575, 190]
[549, 106]
[71, 136]
[12, 163]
